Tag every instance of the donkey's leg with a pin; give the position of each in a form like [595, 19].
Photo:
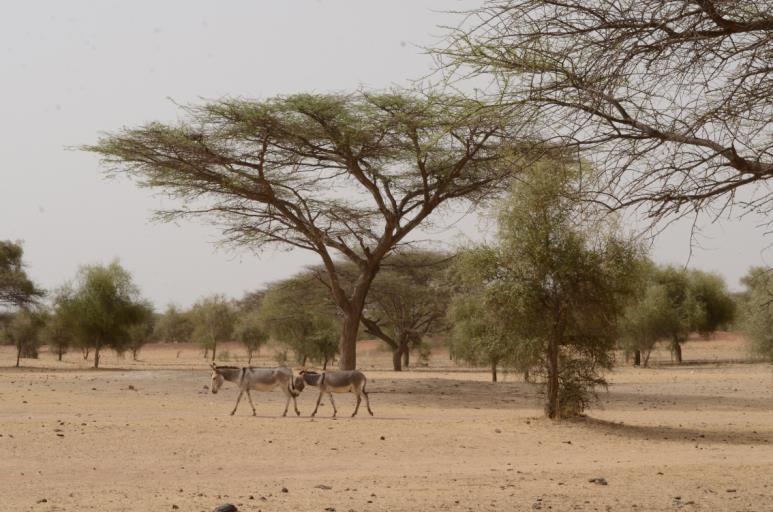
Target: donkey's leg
[295, 405]
[357, 407]
[335, 411]
[241, 392]
[319, 398]
[249, 397]
[287, 406]
[367, 400]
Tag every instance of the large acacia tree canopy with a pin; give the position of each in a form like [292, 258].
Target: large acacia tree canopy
[352, 172]
[673, 99]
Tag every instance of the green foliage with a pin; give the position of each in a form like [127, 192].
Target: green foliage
[715, 307]
[298, 315]
[213, 321]
[348, 175]
[548, 294]
[757, 304]
[101, 307]
[16, 289]
[676, 303]
[648, 319]
[23, 331]
[173, 325]
[250, 331]
[141, 332]
[60, 331]
[408, 300]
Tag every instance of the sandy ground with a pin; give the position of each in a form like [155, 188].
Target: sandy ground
[148, 435]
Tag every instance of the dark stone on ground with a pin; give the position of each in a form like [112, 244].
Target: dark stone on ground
[598, 481]
[226, 508]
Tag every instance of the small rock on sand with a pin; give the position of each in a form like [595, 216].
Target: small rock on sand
[226, 508]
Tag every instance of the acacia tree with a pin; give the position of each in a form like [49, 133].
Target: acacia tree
[555, 282]
[349, 175]
[670, 99]
[213, 321]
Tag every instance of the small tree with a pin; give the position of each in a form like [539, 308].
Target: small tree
[23, 331]
[173, 325]
[557, 278]
[104, 303]
[646, 320]
[716, 305]
[408, 300]
[250, 331]
[478, 336]
[298, 314]
[141, 332]
[60, 329]
[213, 322]
[757, 310]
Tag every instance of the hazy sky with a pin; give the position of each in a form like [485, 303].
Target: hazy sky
[71, 70]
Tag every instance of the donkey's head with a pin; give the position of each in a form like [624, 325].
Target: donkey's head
[217, 379]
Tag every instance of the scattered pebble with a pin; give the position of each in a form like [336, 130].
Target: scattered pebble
[284, 489]
[323, 487]
[598, 481]
[226, 508]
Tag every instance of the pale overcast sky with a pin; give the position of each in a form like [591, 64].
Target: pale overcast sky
[73, 69]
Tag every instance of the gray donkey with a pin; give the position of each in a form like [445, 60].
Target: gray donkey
[335, 382]
[258, 379]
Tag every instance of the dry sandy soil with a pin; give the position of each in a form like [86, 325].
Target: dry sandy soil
[148, 435]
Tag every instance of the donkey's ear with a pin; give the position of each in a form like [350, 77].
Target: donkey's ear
[213, 365]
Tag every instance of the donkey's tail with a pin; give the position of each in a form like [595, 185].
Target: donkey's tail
[291, 387]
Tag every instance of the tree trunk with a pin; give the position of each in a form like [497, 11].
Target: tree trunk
[493, 371]
[214, 350]
[406, 357]
[249, 357]
[637, 358]
[324, 364]
[551, 407]
[134, 354]
[85, 351]
[61, 351]
[18, 354]
[96, 357]
[526, 375]
[397, 359]
[352, 311]
[206, 352]
[348, 346]
[677, 348]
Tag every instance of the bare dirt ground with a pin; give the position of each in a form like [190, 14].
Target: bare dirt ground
[148, 435]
